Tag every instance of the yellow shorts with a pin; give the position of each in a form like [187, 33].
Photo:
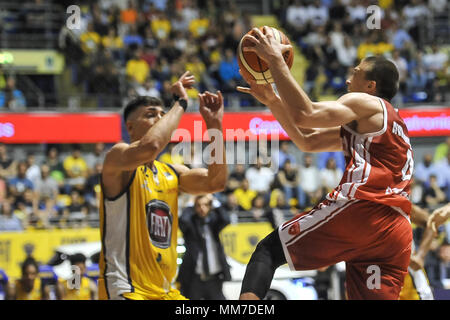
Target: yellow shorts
[171, 295]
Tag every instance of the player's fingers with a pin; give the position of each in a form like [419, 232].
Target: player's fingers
[201, 99]
[243, 89]
[267, 32]
[219, 94]
[258, 32]
[250, 38]
[285, 47]
[185, 74]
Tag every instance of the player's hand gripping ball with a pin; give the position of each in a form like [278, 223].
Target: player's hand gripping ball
[252, 67]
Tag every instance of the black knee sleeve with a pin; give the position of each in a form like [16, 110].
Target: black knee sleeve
[268, 256]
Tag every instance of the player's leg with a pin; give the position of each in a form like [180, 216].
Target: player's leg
[266, 258]
[378, 269]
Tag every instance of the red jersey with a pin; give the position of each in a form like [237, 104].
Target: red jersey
[379, 165]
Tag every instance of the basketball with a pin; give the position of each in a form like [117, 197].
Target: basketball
[254, 68]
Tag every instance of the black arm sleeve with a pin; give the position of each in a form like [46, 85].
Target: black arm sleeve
[268, 256]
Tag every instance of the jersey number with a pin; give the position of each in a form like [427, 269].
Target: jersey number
[407, 170]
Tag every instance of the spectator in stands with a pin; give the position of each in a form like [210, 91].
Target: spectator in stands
[259, 176]
[357, 11]
[75, 214]
[276, 214]
[283, 154]
[229, 72]
[258, 210]
[148, 89]
[236, 177]
[33, 171]
[8, 220]
[330, 176]
[199, 26]
[18, 184]
[309, 181]
[29, 286]
[434, 61]
[90, 40]
[10, 97]
[68, 290]
[8, 166]
[92, 188]
[27, 209]
[415, 13]
[417, 80]
[442, 150]
[417, 190]
[55, 164]
[92, 158]
[425, 169]
[399, 36]
[289, 179]
[433, 194]
[137, 69]
[161, 26]
[129, 15]
[75, 168]
[232, 207]
[178, 23]
[318, 13]
[114, 43]
[46, 187]
[132, 39]
[402, 66]
[245, 195]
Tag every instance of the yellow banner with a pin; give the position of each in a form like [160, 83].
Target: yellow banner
[41, 243]
[33, 61]
[240, 240]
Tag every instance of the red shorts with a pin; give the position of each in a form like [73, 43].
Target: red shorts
[373, 239]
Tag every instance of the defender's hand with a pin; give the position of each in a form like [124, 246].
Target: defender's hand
[186, 81]
[438, 217]
[211, 107]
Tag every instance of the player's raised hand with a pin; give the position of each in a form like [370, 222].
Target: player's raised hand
[211, 107]
[186, 81]
[266, 46]
[439, 217]
[264, 93]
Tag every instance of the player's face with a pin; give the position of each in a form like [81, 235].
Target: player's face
[143, 119]
[357, 81]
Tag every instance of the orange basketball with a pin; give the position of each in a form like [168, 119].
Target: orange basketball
[254, 68]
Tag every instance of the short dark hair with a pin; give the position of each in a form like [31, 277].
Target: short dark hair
[77, 258]
[140, 102]
[385, 74]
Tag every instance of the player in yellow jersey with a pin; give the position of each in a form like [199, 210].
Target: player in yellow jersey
[29, 286]
[79, 288]
[416, 285]
[139, 212]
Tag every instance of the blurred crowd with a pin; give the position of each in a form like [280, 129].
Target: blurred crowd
[61, 189]
[334, 35]
[138, 47]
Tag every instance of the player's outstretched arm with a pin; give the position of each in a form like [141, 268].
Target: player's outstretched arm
[127, 157]
[213, 179]
[438, 217]
[304, 112]
[307, 140]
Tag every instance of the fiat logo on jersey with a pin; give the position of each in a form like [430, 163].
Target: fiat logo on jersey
[159, 223]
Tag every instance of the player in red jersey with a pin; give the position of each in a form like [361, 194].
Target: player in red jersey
[364, 221]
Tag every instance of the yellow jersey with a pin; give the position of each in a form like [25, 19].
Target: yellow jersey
[138, 229]
[416, 286]
[34, 294]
